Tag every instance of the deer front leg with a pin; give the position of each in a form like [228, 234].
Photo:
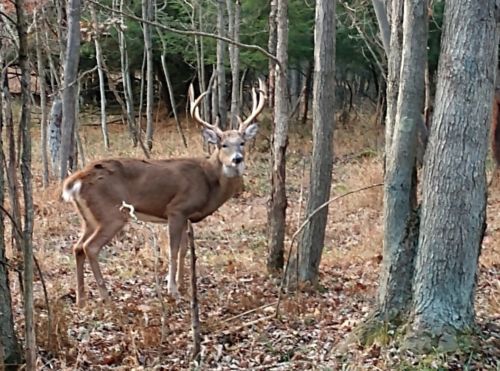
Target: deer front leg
[176, 226]
[182, 260]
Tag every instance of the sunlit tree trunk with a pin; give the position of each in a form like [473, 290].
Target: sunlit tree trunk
[234, 56]
[271, 46]
[454, 201]
[276, 213]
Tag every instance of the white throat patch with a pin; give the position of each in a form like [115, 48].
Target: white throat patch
[233, 170]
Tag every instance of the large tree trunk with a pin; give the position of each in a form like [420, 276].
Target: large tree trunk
[311, 245]
[147, 13]
[69, 98]
[25, 122]
[276, 213]
[9, 345]
[400, 217]
[221, 71]
[454, 201]
[100, 71]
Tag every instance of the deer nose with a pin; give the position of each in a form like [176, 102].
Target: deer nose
[238, 159]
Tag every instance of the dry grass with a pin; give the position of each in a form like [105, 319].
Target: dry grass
[232, 250]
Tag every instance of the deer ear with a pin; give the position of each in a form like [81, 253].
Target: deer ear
[210, 136]
[250, 131]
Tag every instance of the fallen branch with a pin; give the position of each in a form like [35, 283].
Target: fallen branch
[304, 224]
[250, 312]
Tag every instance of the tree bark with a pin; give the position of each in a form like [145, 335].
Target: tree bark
[221, 71]
[271, 46]
[276, 213]
[29, 326]
[43, 102]
[393, 66]
[454, 201]
[69, 98]
[400, 217]
[147, 13]
[54, 139]
[8, 339]
[383, 24]
[313, 237]
[234, 56]
[100, 71]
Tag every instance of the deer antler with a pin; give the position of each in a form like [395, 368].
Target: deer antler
[195, 111]
[257, 106]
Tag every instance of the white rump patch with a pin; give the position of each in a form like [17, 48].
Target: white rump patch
[69, 193]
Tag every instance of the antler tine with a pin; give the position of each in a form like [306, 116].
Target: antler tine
[256, 107]
[195, 110]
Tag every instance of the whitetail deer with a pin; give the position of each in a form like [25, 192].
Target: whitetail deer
[173, 190]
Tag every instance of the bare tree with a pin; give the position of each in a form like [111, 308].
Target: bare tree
[54, 134]
[271, 46]
[8, 339]
[69, 97]
[400, 216]
[221, 70]
[234, 56]
[29, 326]
[100, 71]
[147, 13]
[276, 212]
[43, 99]
[453, 218]
[311, 245]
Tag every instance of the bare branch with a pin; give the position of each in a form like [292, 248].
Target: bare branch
[189, 32]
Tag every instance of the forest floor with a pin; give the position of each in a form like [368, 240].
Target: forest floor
[139, 333]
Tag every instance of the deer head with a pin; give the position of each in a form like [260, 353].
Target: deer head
[230, 143]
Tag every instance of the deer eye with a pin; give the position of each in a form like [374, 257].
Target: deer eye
[224, 145]
[242, 144]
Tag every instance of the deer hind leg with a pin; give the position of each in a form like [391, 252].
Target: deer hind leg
[176, 227]
[79, 253]
[92, 246]
[181, 263]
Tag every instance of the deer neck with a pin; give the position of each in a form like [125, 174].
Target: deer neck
[229, 182]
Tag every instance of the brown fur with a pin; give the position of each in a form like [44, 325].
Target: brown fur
[176, 190]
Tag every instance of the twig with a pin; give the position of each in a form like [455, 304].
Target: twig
[304, 224]
[189, 32]
[251, 323]
[195, 313]
[250, 311]
[133, 216]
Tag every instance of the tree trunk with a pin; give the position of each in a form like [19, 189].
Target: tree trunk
[313, 237]
[54, 139]
[307, 92]
[147, 13]
[221, 71]
[43, 103]
[400, 217]
[383, 24]
[271, 46]
[100, 71]
[127, 83]
[234, 56]
[454, 200]
[29, 326]
[393, 66]
[8, 339]
[69, 98]
[276, 213]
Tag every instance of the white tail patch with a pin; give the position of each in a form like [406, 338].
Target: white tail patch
[69, 193]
